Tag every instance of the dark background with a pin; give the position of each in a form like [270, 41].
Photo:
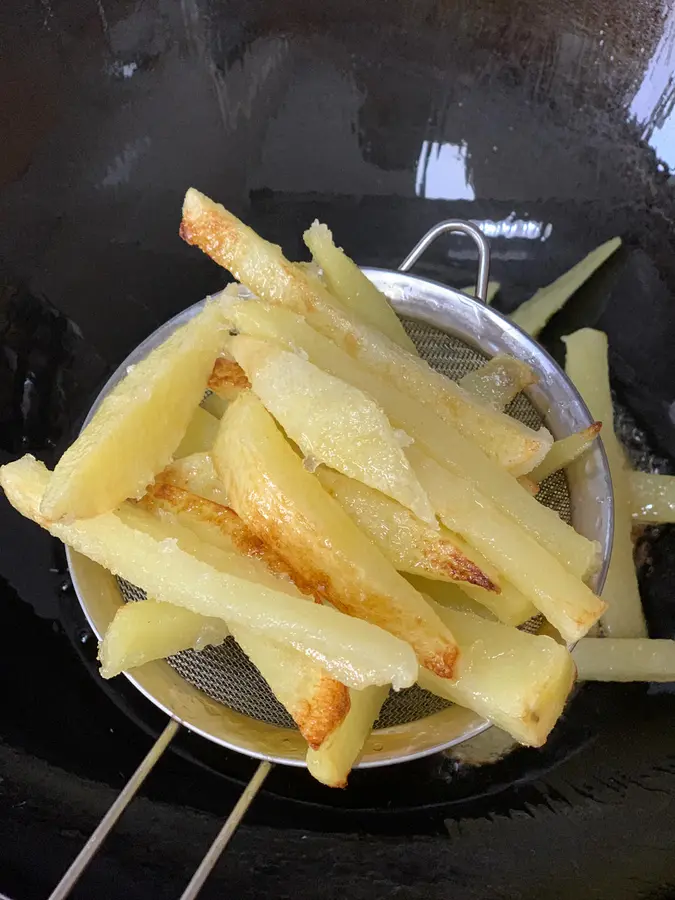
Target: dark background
[551, 124]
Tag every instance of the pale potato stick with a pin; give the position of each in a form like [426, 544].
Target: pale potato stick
[199, 435]
[286, 506]
[196, 474]
[442, 441]
[564, 599]
[492, 289]
[625, 659]
[331, 763]
[517, 680]
[532, 315]
[652, 497]
[499, 381]
[350, 650]
[510, 606]
[407, 542]
[565, 451]
[149, 629]
[331, 421]
[138, 426]
[351, 287]
[263, 268]
[448, 594]
[587, 366]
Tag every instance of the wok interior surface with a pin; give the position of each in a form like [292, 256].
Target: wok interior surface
[552, 126]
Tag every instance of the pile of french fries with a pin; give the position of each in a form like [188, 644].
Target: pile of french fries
[354, 520]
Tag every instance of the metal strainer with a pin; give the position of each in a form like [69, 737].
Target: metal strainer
[219, 694]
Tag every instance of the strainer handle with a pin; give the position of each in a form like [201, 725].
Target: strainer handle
[462, 227]
[87, 853]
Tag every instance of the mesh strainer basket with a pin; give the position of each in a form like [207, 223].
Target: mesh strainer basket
[219, 694]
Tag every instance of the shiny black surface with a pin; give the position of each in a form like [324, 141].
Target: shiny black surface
[550, 124]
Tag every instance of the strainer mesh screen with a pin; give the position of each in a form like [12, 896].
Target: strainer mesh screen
[226, 674]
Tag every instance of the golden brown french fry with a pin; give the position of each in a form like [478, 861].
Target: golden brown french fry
[331, 421]
[286, 506]
[317, 702]
[407, 542]
[416, 550]
[351, 287]
[331, 763]
[353, 651]
[652, 497]
[199, 435]
[138, 426]
[499, 381]
[147, 630]
[625, 659]
[510, 606]
[565, 451]
[587, 366]
[564, 599]
[227, 378]
[440, 440]
[532, 315]
[221, 526]
[263, 268]
[517, 680]
[196, 474]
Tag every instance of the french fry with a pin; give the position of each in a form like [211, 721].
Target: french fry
[533, 315]
[138, 426]
[351, 287]
[199, 435]
[331, 421]
[625, 659]
[518, 681]
[587, 366]
[196, 474]
[149, 629]
[332, 762]
[409, 544]
[286, 506]
[565, 451]
[227, 378]
[510, 606]
[652, 497]
[353, 651]
[440, 440]
[499, 381]
[263, 268]
[492, 290]
[316, 702]
[221, 526]
[567, 603]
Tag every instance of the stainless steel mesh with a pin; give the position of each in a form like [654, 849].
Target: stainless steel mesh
[227, 675]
